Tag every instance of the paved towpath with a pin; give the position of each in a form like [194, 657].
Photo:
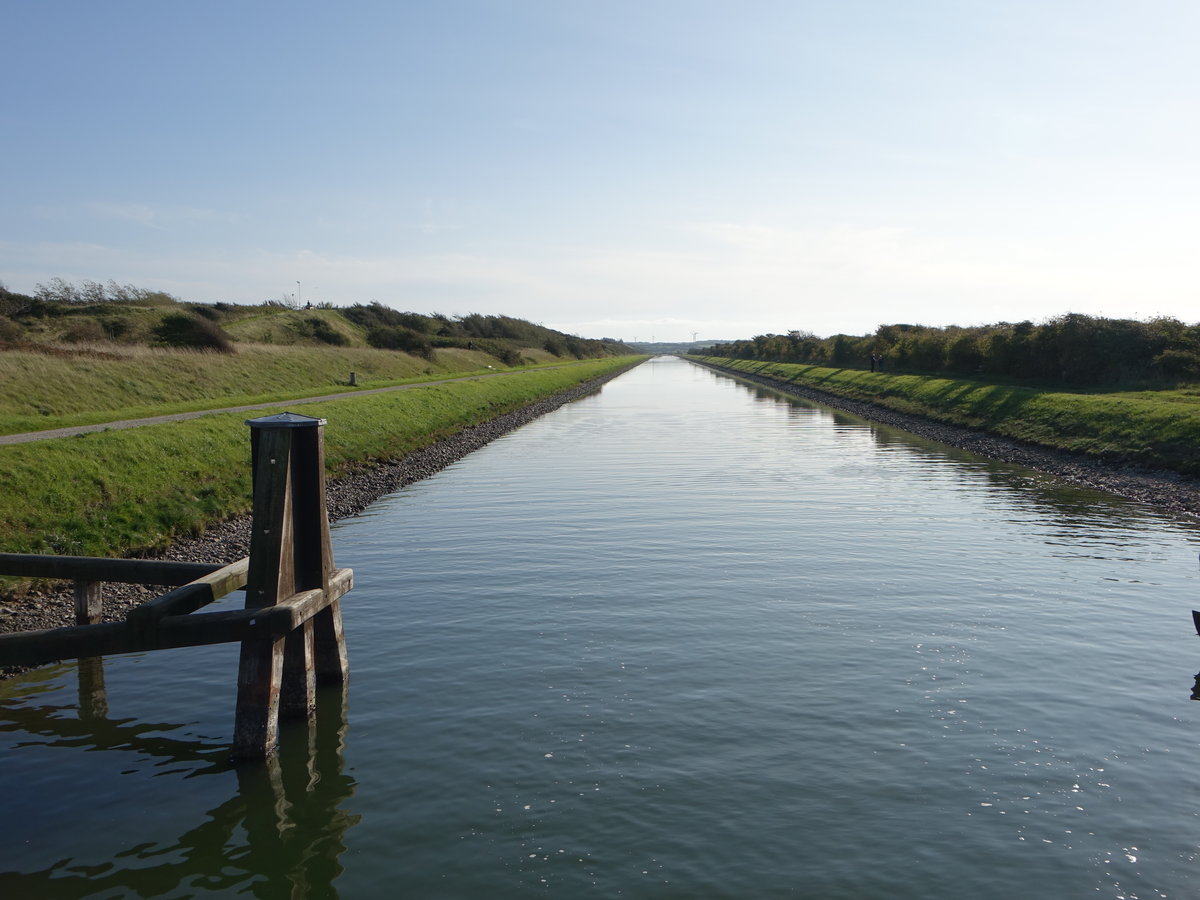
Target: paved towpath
[29, 436]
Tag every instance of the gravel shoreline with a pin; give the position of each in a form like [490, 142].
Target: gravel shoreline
[349, 495]
[1158, 487]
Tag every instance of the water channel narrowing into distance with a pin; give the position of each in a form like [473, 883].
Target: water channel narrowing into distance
[684, 638]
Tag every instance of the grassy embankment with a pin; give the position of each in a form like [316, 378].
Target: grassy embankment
[1158, 429]
[106, 382]
[112, 492]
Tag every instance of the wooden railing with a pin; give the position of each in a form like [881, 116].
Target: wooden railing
[291, 626]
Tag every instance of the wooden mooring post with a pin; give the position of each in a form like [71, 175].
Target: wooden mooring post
[291, 627]
[290, 552]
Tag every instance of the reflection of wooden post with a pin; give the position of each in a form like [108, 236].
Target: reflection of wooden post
[93, 699]
[89, 610]
[290, 551]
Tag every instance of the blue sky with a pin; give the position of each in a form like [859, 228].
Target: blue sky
[626, 169]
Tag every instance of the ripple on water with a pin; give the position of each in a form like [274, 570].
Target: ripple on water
[687, 638]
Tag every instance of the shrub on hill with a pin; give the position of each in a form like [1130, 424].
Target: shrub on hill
[13, 304]
[184, 330]
[317, 330]
[497, 335]
[85, 331]
[376, 315]
[396, 337]
[63, 311]
[60, 291]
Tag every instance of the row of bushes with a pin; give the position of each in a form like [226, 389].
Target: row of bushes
[177, 329]
[93, 312]
[1070, 349]
[498, 335]
[61, 291]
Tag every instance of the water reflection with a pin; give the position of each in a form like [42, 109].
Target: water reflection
[281, 834]
[1080, 510]
[93, 698]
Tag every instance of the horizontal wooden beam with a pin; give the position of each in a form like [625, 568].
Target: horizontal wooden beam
[92, 568]
[264, 622]
[306, 604]
[190, 597]
[34, 648]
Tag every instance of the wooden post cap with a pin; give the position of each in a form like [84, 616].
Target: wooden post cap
[285, 420]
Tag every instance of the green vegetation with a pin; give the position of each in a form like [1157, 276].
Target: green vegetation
[43, 387]
[1159, 429]
[93, 353]
[115, 491]
[80, 355]
[500, 336]
[1071, 349]
[63, 313]
[1041, 383]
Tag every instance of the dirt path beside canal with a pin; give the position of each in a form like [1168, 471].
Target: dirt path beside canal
[49, 434]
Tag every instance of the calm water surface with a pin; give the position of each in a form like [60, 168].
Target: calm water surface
[685, 638]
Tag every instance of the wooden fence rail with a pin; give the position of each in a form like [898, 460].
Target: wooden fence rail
[291, 627]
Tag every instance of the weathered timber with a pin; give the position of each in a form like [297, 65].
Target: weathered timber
[89, 610]
[271, 578]
[329, 644]
[35, 648]
[290, 554]
[89, 603]
[270, 623]
[87, 568]
[260, 679]
[290, 629]
[298, 694]
[190, 597]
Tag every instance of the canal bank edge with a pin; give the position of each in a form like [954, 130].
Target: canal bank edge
[348, 495]
[1158, 487]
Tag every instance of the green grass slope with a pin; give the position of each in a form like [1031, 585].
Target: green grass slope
[111, 492]
[40, 390]
[1158, 429]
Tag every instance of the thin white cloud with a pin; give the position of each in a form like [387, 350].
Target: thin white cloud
[154, 216]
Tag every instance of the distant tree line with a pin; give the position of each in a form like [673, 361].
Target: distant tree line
[1072, 349]
[498, 335]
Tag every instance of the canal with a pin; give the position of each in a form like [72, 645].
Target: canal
[683, 638]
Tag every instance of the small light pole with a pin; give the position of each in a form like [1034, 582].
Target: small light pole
[298, 299]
